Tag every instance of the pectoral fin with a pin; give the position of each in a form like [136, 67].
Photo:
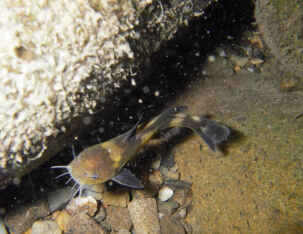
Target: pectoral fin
[126, 178]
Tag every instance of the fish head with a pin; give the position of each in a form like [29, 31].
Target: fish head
[92, 166]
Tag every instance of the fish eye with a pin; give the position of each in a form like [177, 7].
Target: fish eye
[95, 176]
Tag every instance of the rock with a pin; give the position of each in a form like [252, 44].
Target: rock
[101, 214]
[174, 168]
[184, 197]
[144, 215]
[165, 193]
[46, 226]
[290, 82]
[150, 190]
[256, 61]
[82, 205]
[187, 227]
[156, 177]
[62, 218]
[228, 71]
[118, 218]
[168, 161]
[182, 213]
[116, 198]
[170, 224]
[106, 226]
[2, 226]
[96, 191]
[156, 163]
[177, 184]
[164, 170]
[167, 207]
[58, 198]
[240, 61]
[21, 219]
[173, 175]
[257, 39]
[123, 231]
[237, 68]
[82, 223]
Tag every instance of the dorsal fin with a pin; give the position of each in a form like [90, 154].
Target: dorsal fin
[133, 131]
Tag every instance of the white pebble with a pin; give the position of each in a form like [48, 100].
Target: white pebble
[156, 163]
[165, 193]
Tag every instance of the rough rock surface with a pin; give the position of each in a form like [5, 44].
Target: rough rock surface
[144, 215]
[118, 218]
[82, 223]
[21, 219]
[61, 61]
[280, 23]
[170, 224]
[45, 226]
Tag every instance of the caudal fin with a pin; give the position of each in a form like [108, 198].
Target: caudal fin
[210, 131]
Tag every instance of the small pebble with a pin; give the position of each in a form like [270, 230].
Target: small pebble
[256, 61]
[168, 207]
[168, 161]
[2, 226]
[173, 175]
[156, 177]
[101, 214]
[228, 71]
[156, 163]
[83, 205]
[62, 218]
[237, 68]
[184, 197]
[165, 193]
[240, 61]
[258, 40]
[164, 170]
[182, 213]
[175, 168]
[150, 190]
[177, 184]
[170, 224]
[116, 198]
[45, 226]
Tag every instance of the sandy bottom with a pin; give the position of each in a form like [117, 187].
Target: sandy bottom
[254, 184]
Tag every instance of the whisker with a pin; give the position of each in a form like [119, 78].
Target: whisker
[74, 187]
[77, 202]
[62, 175]
[73, 150]
[64, 167]
[68, 180]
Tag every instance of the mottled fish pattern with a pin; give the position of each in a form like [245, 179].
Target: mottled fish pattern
[102, 162]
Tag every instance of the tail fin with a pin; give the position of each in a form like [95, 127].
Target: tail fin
[210, 131]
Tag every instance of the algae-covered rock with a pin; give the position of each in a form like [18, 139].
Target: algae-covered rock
[280, 23]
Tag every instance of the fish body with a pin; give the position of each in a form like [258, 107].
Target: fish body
[102, 162]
